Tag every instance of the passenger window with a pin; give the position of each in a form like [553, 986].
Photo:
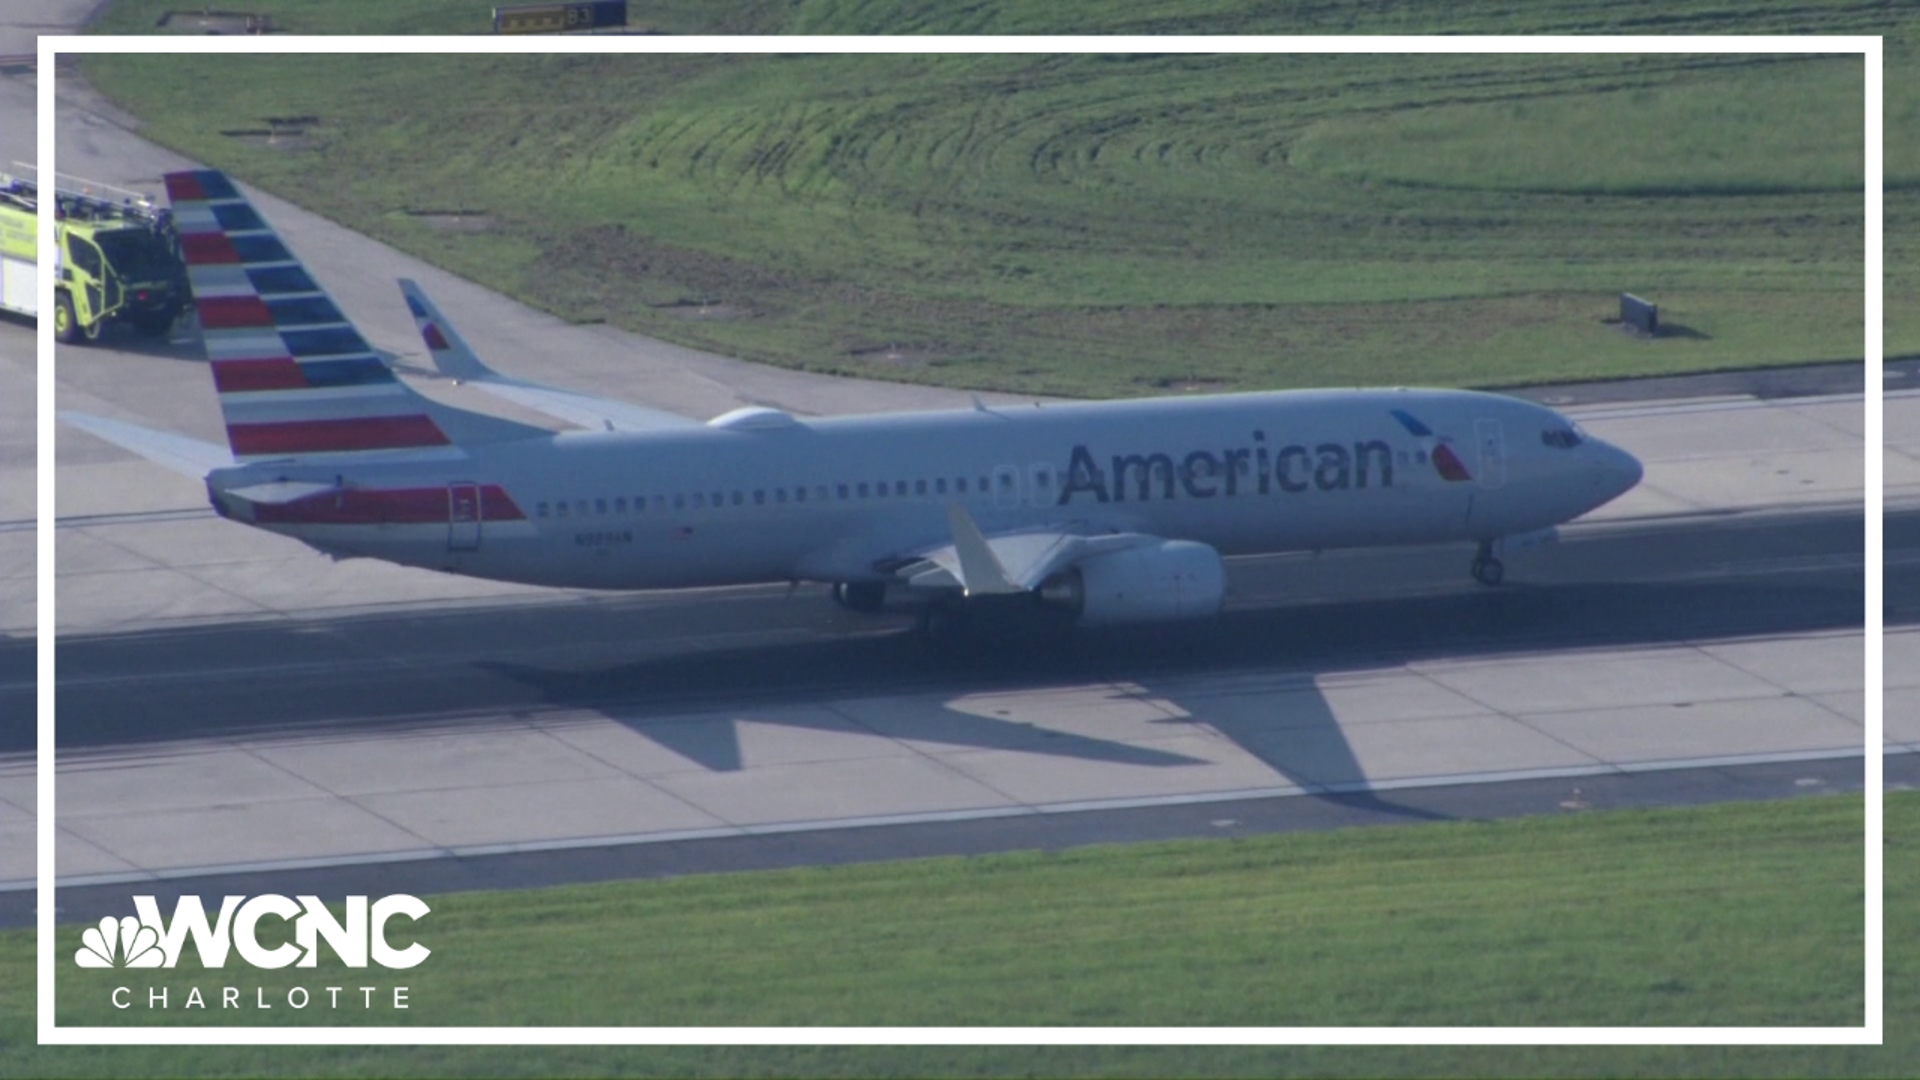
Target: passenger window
[560, 508]
[863, 491]
[779, 495]
[582, 509]
[719, 499]
[960, 485]
[820, 492]
[699, 500]
[1043, 479]
[800, 494]
[600, 506]
[679, 502]
[984, 487]
[880, 490]
[759, 498]
[940, 486]
[620, 504]
[843, 491]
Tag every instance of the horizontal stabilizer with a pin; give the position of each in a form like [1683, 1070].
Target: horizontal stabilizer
[455, 359]
[188, 457]
[278, 492]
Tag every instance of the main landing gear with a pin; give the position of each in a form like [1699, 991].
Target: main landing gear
[1488, 570]
[861, 596]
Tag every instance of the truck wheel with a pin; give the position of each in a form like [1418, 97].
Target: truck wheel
[66, 328]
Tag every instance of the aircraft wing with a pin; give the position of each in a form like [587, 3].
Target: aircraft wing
[453, 358]
[1007, 562]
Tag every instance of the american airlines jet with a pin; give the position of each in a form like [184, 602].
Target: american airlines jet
[1099, 513]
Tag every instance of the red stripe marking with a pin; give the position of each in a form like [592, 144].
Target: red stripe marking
[229, 312]
[1449, 465]
[497, 505]
[202, 249]
[403, 506]
[184, 187]
[282, 373]
[354, 433]
[434, 339]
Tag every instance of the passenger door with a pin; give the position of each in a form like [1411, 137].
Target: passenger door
[463, 517]
[1493, 454]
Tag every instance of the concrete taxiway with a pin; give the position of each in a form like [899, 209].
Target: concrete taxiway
[231, 703]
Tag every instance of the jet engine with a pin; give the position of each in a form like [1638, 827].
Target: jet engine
[1172, 579]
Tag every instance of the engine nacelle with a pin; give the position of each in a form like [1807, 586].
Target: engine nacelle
[1173, 579]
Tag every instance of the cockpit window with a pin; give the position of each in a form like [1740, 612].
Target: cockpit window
[1564, 438]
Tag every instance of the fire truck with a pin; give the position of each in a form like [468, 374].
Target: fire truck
[116, 260]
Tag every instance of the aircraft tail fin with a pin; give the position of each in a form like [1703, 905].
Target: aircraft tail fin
[295, 377]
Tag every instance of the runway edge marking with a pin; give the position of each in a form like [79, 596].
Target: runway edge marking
[936, 817]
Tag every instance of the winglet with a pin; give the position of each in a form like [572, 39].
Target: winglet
[980, 571]
[452, 356]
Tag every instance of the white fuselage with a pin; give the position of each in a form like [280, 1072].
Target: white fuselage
[768, 498]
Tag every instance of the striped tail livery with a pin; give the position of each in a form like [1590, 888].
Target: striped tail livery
[295, 378]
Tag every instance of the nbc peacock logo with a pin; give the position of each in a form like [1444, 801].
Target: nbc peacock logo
[120, 943]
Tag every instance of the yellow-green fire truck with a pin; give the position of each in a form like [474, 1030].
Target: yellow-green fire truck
[117, 259]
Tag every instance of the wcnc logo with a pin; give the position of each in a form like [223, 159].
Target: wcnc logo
[358, 938]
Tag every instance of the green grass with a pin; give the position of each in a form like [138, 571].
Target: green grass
[1741, 914]
[1099, 226]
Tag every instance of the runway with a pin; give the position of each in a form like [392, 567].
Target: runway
[235, 708]
[1651, 650]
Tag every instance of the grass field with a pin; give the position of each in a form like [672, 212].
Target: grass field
[1742, 914]
[1099, 225]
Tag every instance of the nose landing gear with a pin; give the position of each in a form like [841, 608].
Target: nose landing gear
[1488, 570]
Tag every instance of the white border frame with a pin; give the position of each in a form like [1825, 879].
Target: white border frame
[1872, 1033]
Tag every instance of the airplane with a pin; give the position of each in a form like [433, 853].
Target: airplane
[1091, 513]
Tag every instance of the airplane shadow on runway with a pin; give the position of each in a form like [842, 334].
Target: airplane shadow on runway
[1291, 728]
[679, 700]
[713, 741]
[1287, 724]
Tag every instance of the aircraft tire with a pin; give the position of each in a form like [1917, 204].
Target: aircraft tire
[1489, 572]
[862, 596]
